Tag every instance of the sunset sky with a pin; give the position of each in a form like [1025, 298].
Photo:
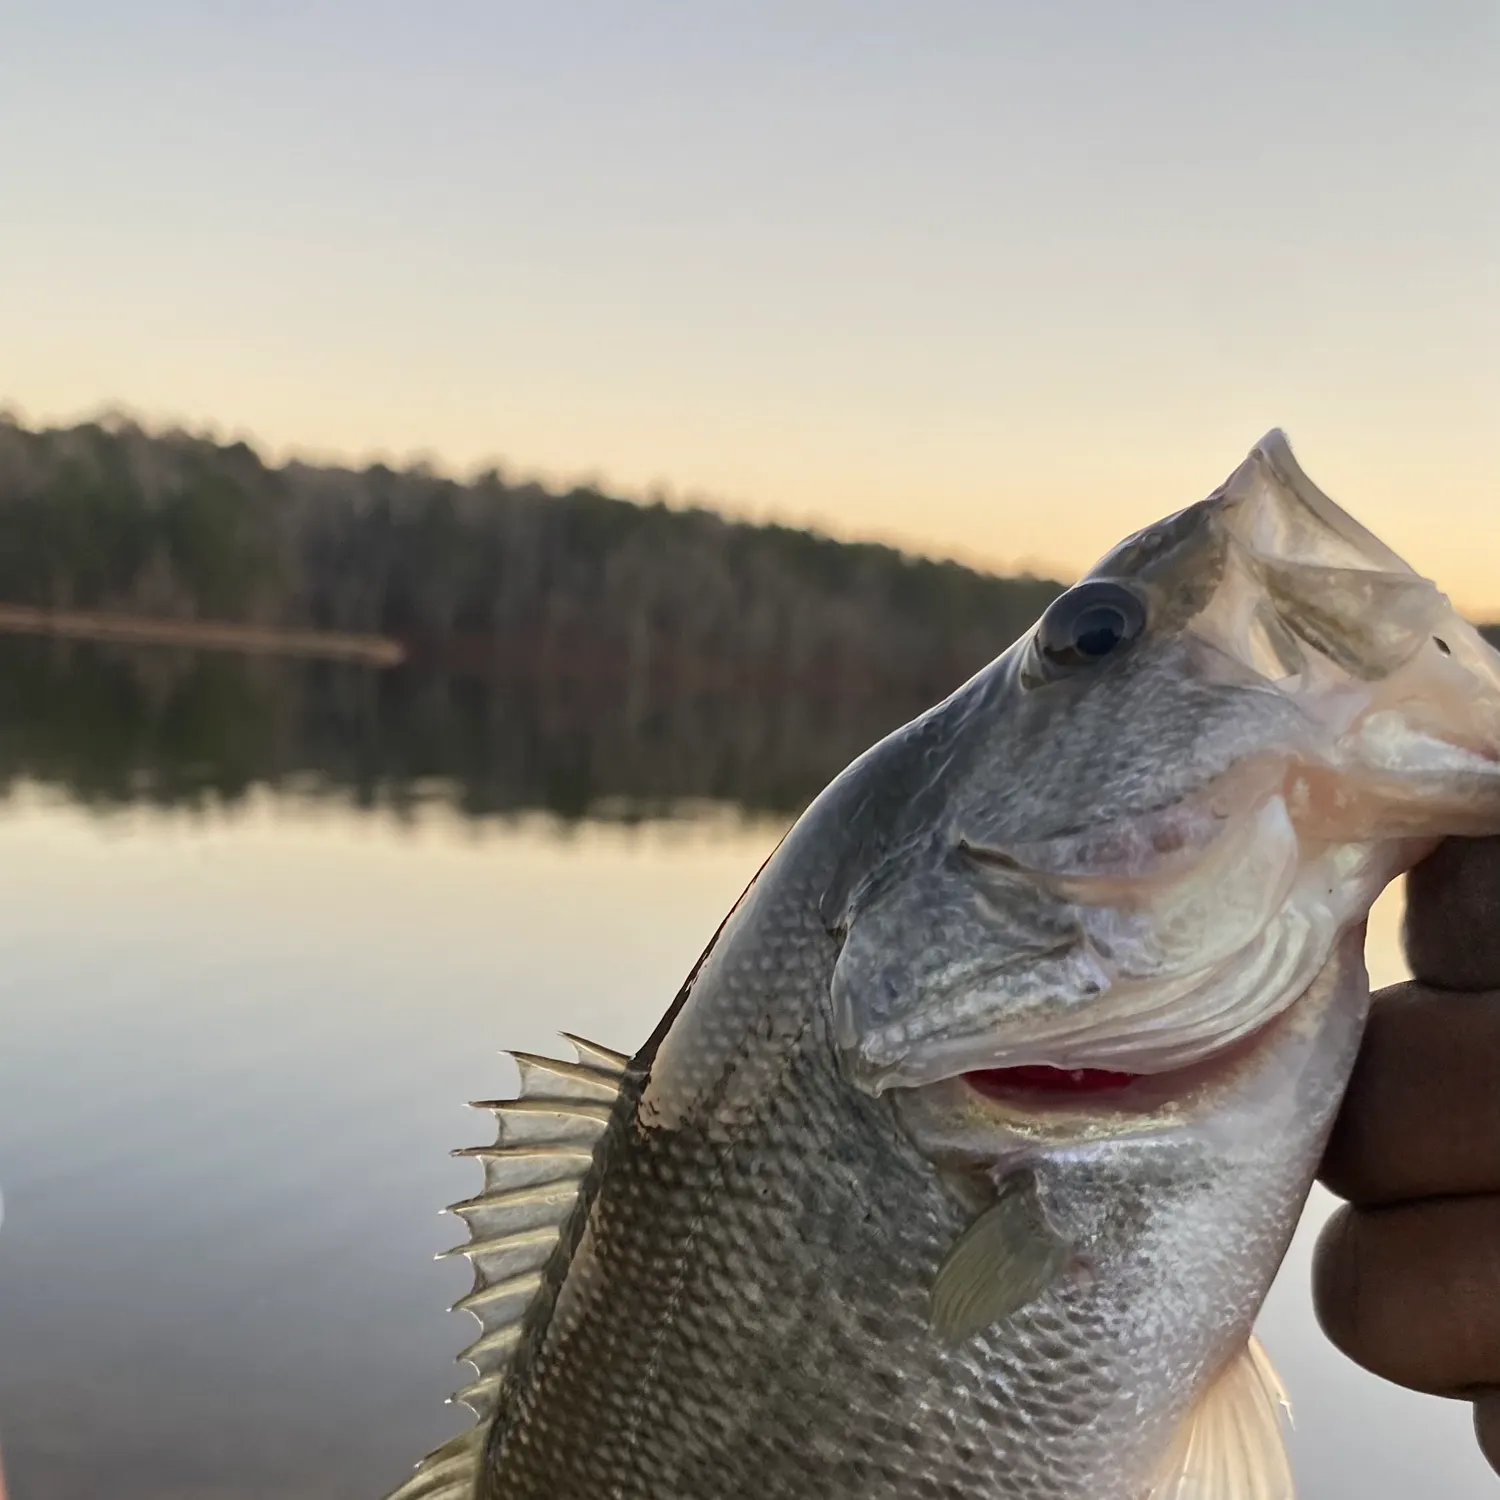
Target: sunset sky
[997, 280]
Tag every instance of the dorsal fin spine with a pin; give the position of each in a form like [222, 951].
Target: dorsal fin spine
[605, 1058]
[493, 1350]
[565, 1079]
[529, 1195]
[483, 1301]
[479, 1395]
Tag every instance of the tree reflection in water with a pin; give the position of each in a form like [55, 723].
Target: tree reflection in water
[111, 726]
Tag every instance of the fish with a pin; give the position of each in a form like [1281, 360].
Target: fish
[962, 1162]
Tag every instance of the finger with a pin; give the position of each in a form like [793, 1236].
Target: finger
[1413, 1292]
[1421, 1118]
[1487, 1427]
[1452, 927]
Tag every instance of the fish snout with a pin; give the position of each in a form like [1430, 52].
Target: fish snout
[1428, 745]
[1406, 691]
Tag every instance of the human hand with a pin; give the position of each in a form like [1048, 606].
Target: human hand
[1406, 1278]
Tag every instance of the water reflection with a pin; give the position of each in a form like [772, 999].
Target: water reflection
[112, 726]
[235, 1057]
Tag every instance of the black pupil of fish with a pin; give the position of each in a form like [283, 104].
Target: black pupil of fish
[1098, 630]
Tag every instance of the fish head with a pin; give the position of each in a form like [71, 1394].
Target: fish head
[1136, 839]
[1100, 948]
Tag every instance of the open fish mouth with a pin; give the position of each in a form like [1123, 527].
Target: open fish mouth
[1032, 1101]
[1036, 1087]
[1039, 1078]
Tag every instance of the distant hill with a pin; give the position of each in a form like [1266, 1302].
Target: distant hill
[486, 576]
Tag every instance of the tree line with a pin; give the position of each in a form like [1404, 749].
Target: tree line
[486, 575]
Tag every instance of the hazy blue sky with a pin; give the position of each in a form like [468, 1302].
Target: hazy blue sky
[1002, 280]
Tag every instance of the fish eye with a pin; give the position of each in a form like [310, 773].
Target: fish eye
[1089, 623]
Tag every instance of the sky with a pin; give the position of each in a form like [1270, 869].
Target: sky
[997, 281]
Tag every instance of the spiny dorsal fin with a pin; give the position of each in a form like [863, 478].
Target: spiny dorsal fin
[531, 1179]
[1231, 1447]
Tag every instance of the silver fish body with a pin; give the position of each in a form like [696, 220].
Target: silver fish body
[848, 1228]
[778, 1233]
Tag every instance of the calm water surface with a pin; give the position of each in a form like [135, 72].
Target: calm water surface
[235, 1050]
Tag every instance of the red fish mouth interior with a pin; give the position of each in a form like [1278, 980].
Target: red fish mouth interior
[1038, 1078]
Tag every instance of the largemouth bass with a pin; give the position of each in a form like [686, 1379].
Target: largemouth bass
[964, 1159]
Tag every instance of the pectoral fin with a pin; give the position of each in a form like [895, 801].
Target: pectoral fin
[1006, 1257]
[1231, 1447]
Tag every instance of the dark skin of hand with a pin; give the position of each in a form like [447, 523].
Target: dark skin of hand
[1406, 1280]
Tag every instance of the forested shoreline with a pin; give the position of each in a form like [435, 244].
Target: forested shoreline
[485, 575]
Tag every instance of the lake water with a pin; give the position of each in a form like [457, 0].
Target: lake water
[235, 1050]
